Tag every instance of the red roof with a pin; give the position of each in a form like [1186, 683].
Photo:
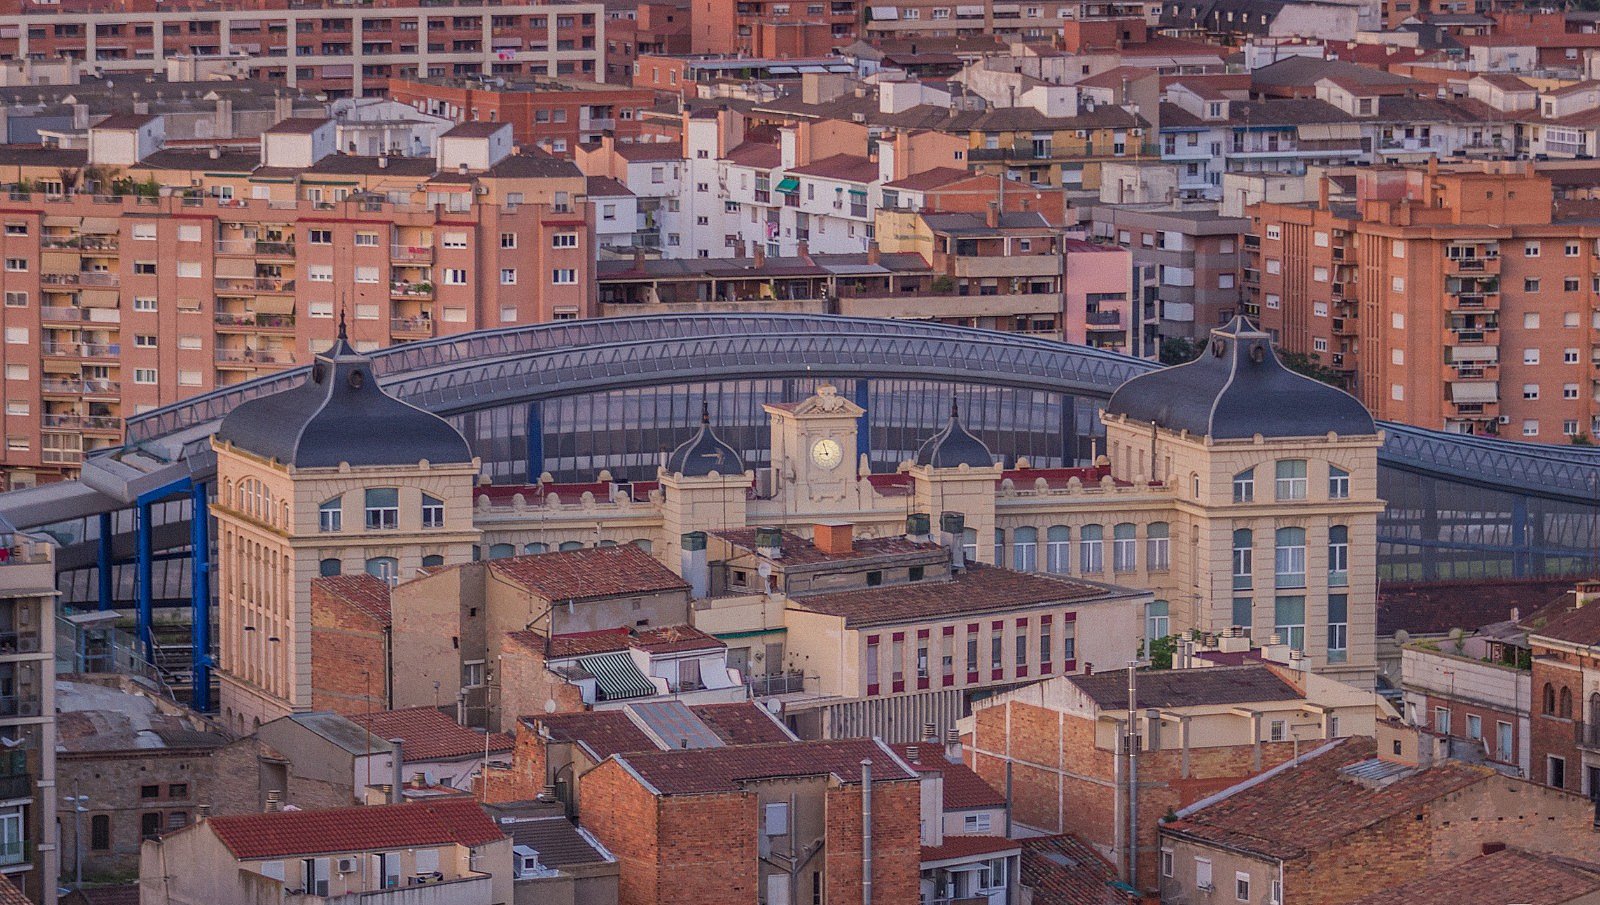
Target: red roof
[841, 167]
[281, 834]
[757, 154]
[367, 593]
[426, 734]
[1063, 870]
[966, 847]
[608, 732]
[590, 573]
[930, 179]
[800, 551]
[978, 589]
[964, 790]
[10, 894]
[703, 770]
[664, 640]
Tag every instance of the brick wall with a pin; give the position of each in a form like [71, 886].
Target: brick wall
[896, 841]
[525, 777]
[349, 669]
[1552, 734]
[625, 821]
[707, 849]
[1460, 710]
[527, 688]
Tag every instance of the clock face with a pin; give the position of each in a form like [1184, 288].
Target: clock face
[827, 453]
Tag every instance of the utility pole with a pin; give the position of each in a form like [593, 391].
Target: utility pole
[1131, 746]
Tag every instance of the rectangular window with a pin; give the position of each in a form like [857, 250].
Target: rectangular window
[1069, 641]
[564, 240]
[1244, 486]
[1441, 720]
[997, 654]
[17, 265]
[144, 375]
[18, 298]
[1091, 549]
[1202, 874]
[1021, 643]
[455, 277]
[432, 512]
[897, 662]
[1290, 621]
[1474, 727]
[563, 276]
[1166, 862]
[1338, 628]
[1241, 886]
[1289, 561]
[972, 652]
[508, 276]
[366, 240]
[1243, 558]
[366, 274]
[319, 236]
[1158, 552]
[320, 273]
[454, 240]
[508, 240]
[1291, 479]
[1503, 749]
[1338, 483]
[330, 515]
[872, 664]
[1243, 612]
[776, 819]
[1044, 643]
[383, 508]
[922, 658]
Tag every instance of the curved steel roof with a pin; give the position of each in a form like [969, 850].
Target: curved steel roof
[487, 369]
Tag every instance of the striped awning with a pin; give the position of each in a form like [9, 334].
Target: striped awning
[788, 185]
[618, 676]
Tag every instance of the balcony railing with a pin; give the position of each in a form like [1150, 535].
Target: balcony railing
[256, 356]
[403, 289]
[70, 421]
[91, 278]
[253, 319]
[415, 254]
[17, 785]
[247, 284]
[781, 683]
[1103, 318]
[82, 350]
[92, 387]
[81, 243]
[414, 326]
[16, 851]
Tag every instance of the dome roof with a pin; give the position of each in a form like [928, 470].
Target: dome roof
[704, 452]
[954, 446]
[1238, 388]
[340, 414]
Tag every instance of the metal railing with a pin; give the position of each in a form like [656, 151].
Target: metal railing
[256, 356]
[411, 290]
[253, 319]
[781, 683]
[246, 284]
[411, 325]
[71, 421]
[91, 278]
[416, 254]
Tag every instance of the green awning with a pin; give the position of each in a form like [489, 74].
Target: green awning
[618, 676]
[861, 192]
[788, 185]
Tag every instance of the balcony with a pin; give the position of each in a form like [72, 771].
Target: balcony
[780, 683]
[67, 386]
[1467, 266]
[272, 249]
[411, 327]
[92, 278]
[75, 422]
[1008, 266]
[255, 356]
[87, 244]
[13, 705]
[17, 785]
[51, 456]
[407, 290]
[249, 286]
[411, 254]
[63, 314]
[1475, 301]
[255, 320]
[53, 349]
[1472, 336]
[16, 851]
[1103, 320]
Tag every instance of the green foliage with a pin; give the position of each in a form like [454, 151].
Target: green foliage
[1159, 651]
[1177, 350]
[1580, 440]
[1301, 363]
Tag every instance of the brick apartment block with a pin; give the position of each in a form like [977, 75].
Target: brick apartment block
[554, 115]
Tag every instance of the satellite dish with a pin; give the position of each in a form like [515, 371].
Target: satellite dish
[1401, 637]
[549, 705]
[773, 706]
[764, 569]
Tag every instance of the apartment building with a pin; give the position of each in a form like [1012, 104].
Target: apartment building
[766, 28]
[1062, 743]
[1565, 705]
[1470, 258]
[641, 30]
[1476, 690]
[328, 49]
[29, 853]
[120, 300]
[553, 114]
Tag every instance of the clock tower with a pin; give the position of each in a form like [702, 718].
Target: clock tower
[814, 447]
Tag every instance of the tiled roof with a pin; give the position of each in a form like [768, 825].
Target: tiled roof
[608, 732]
[366, 593]
[703, 770]
[284, 833]
[800, 551]
[1564, 622]
[474, 130]
[669, 639]
[966, 847]
[1436, 607]
[1202, 687]
[929, 179]
[1305, 72]
[294, 125]
[557, 841]
[1488, 880]
[121, 894]
[11, 895]
[741, 723]
[1116, 77]
[964, 789]
[1312, 806]
[649, 150]
[590, 573]
[1063, 870]
[426, 734]
[841, 167]
[666, 639]
[607, 187]
[978, 589]
[760, 155]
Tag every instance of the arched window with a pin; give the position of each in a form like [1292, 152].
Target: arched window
[330, 567]
[535, 548]
[255, 500]
[1025, 549]
[1158, 547]
[1565, 710]
[1338, 556]
[1058, 549]
[502, 551]
[432, 561]
[1091, 549]
[567, 546]
[1594, 709]
[330, 515]
[1289, 564]
[384, 567]
[1124, 548]
[1549, 698]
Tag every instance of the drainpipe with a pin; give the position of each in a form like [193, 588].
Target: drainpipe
[397, 772]
[866, 831]
[1133, 777]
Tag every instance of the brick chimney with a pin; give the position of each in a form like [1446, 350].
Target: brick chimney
[833, 538]
[1587, 592]
[874, 256]
[992, 216]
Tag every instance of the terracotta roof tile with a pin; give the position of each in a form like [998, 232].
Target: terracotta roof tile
[965, 847]
[1436, 607]
[608, 732]
[663, 640]
[963, 789]
[1210, 686]
[979, 589]
[10, 894]
[741, 723]
[426, 734]
[1562, 621]
[929, 179]
[368, 594]
[1313, 806]
[1487, 879]
[1063, 870]
[590, 573]
[800, 551]
[285, 833]
[841, 167]
[702, 770]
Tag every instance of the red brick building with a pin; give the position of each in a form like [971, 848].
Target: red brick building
[1565, 717]
[350, 644]
[648, 28]
[702, 825]
[556, 115]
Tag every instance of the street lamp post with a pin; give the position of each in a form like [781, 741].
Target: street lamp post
[77, 803]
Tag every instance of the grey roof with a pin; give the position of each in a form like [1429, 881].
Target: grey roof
[954, 446]
[1200, 687]
[558, 842]
[341, 732]
[1304, 72]
[704, 453]
[1238, 388]
[340, 414]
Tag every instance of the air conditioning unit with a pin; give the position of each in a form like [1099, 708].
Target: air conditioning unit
[347, 865]
[1503, 419]
[28, 708]
[481, 190]
[28, 644]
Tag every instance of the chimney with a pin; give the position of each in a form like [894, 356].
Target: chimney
[769, 543]
[274, 801]
[834, 538]
[992, 216]
[952, 746]
[419, 780]
[1322, 193]
[692, 564]
[214, 153]
[930, 733]
[805, 252]
[918, 529]
[201, 812]
[638, 259]
[760, 255]
[913, 754]
[1588, 592]
[383, 161]
[873, 254]
[397, 766]
[953, 535]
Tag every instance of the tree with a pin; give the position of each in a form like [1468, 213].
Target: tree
[1177, 350]
[1159, 651]
[1301, 363]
